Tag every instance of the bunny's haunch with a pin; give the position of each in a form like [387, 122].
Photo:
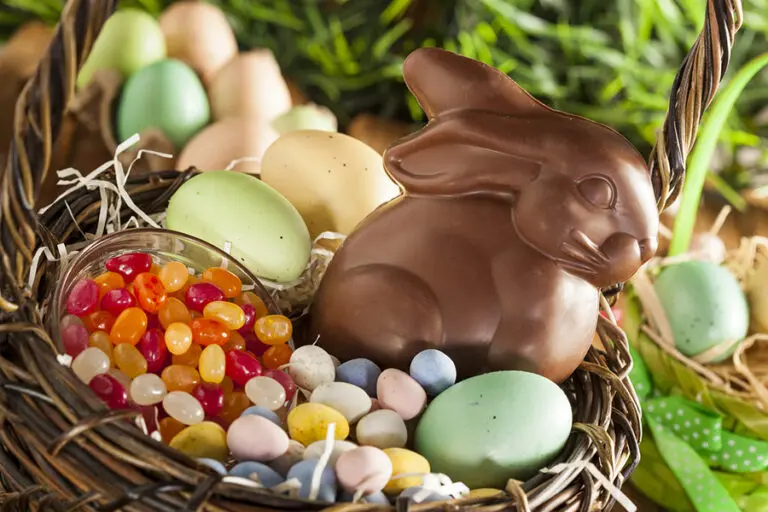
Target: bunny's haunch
[512, 216]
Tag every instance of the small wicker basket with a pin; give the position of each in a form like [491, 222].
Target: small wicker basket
[62, 449]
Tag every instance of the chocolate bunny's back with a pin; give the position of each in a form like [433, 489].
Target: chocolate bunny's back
[513, 214]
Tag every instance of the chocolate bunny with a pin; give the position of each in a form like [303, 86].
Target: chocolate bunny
[513, 215]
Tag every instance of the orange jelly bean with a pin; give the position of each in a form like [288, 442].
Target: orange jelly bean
[109, 281]
[101, 341]
[178, 377]
[173, 311]
[189, 358]
[99, 321]
[178, 338]
[129, 360]
[227, 385]
[174, 276]
[234, 405]
[150, 292]
[254, 300]
[169, 428]
[236, 342]
[229, 315]
[209, 332]
[273, 329]
[227, 282]
[129, 326]
[276, 356]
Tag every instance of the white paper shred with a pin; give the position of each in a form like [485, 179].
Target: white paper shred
[317, 474]
[614, 491]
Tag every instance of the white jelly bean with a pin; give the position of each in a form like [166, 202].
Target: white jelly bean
[183, 407]
[265, 392]
[90, 363]
[148, 389]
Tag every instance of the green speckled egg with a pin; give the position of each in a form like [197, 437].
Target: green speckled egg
[265, 231]
[493, 427]
[704, 304]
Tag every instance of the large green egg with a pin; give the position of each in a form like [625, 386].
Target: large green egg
[493, 427]
[704, 304]
[265, 231]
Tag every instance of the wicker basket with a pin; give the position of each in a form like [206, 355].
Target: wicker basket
[62, 449]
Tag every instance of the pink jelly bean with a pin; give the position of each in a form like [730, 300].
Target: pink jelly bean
[200, 294]
[210, 396]
[74, 337]
[152, 347]
[285, 380]
[130, 265]
[115, 301]
[110, 390]
[84, 298]
[250, 319]
[242, 366]
[254, 344]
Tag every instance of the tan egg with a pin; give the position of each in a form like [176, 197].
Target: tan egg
[252, 85]
[332, 179]
[198, 34]
[231, 139]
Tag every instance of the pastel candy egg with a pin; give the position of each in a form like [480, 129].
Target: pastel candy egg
[303, 472]
[398, 391]
[293, 455]
[405, 462]
[360, 372]
[311, 366]
[420, 494]
[309, 422]
[383, 429]
[434, 370]
[377, 498]
[258, 410]
[257, 471]
[256, 438]
[316, 449]
[349, 400]
[214, 465]
[366, 469]
[203, 440]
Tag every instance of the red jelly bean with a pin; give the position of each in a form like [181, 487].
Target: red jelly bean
[151, 418]
[284, 379]
[242, 367]
[74, 337]
[110, 390]
[254, 344]
[200, 295]
[130, 265]
[115, 301]
[99, 321]
[152, 347]
[84, 298]
[210, 396]
[150, 292]
[250, 319]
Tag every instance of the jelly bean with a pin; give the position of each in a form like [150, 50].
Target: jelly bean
[258, 410]
[382, 429]
[129, 327]
[208, 332]
[110, 390]
[203, 439]
[405, 462]
[74, 338]
[181, 294]
[130, 265]
[109, 281]
[84, 298]
[89, 363]
[284, 379]
[180, 378]
[316, 449]
[150, 292]
[242, 367]
[434, 370]
[129, 360]
[225, 280]
[349, 400]
[254, 300]
[290, 458]
[213, 364]
[398, 391]
[152, 347]
[118, 300]
[170, 428]
[227, 384]
[304, 471]
[362, 373]
[178, 338]
[265, 392]
[99, 321]
[210, 396]
[234, 405]
[236, 342]
[200, 295]
[310, 366]
[309, 422]
[68, 320]
[250, 318]
[273, 329]
[228, 314]
[273, 441]
[148, 389]
[173, 311]
[254, 344]
[365, 468]
[101, 341]
[277, 356]
[183, 407]
[189, 358]
[120, 377]
[149, 414]
[262, 473]
[214, 465]
[174, 276]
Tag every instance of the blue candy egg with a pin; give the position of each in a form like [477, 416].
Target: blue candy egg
[268, 477]
[214, 465]
[303, 473]
[257, 410]
[361, 372]
[377, 498]
[434, 370]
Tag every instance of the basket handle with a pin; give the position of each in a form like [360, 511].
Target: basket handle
[37, 121]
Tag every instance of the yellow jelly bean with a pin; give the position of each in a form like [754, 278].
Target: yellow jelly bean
[403, 462]
[174, 276]
[101, 340]
[230, 315]
[178, 338]
[309, 422]
[213, 364]
[129, 360]
[202, 440]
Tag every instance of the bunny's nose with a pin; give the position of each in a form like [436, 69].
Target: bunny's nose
[648, 248]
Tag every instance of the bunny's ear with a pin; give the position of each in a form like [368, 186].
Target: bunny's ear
[443, 81]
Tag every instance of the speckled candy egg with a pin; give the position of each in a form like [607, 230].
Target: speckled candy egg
[265, 475]
[311, 366]
[366, 469]
[293, 455]
[359, 372]
[705, 306]
[349, 400]
[303, 472]
[434, 370]
[202, 440]
[383, 428]
[256, 438]
[493, 427]
[399, 391]
[316, 449]
[309, 422]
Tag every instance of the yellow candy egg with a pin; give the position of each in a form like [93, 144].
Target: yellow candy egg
[404, 462]
[202, 440]
[309, 422]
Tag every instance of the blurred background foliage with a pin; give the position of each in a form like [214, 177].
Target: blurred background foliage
[612, 61]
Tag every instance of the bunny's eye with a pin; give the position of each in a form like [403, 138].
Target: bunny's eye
[598, 191]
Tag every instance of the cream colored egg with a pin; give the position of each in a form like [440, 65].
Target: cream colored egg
[332, 179]
[235, 138]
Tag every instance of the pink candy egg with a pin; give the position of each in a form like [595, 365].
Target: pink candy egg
[401, 393]
[366, 469]
[256, 438]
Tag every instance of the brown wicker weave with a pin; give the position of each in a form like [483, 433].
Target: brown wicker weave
[62, 449]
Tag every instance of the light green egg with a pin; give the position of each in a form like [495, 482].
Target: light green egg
[704, 304]
[493, 427]
[265, 231]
